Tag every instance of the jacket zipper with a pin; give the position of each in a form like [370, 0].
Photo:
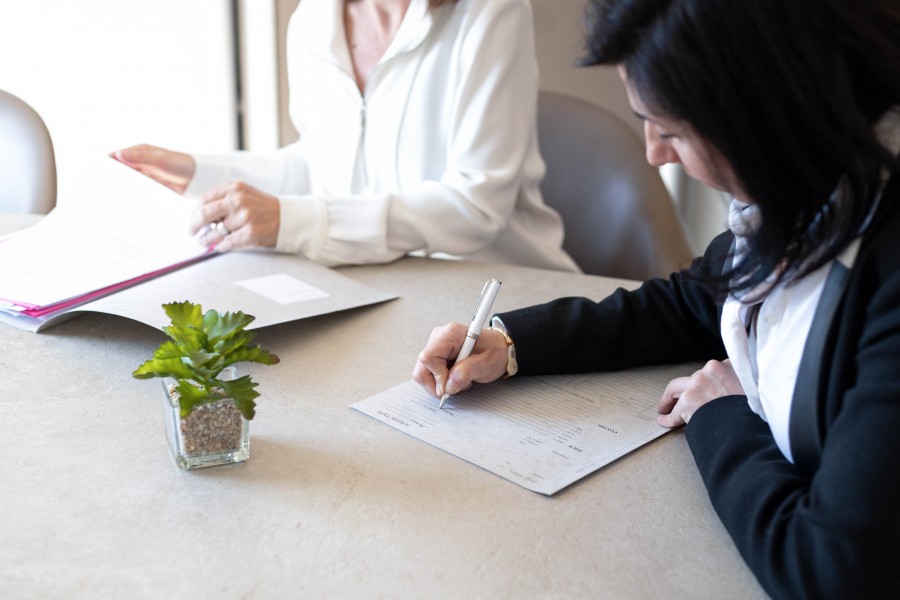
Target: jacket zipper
[362, 143]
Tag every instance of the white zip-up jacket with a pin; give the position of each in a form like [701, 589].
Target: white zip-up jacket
[439, 155]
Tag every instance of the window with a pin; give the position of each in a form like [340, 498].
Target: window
[105, 74]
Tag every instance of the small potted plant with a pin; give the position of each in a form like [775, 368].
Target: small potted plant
[208, 408]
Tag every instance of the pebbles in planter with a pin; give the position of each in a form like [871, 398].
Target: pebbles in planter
[210, 428]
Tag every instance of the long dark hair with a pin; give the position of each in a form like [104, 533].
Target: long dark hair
[787, 90]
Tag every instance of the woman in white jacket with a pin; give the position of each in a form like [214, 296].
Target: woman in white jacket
[417, 133]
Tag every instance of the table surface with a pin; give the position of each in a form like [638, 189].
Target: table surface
[331, 503]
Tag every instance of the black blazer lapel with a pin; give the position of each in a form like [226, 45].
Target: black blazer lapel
[806, 426]
[807, 421]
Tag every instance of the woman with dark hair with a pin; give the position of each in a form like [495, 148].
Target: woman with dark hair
[794, 109]
[417, 126]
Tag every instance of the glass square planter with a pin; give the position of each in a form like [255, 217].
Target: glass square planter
[212, 434]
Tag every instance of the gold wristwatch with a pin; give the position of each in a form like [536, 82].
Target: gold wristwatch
[512, 365]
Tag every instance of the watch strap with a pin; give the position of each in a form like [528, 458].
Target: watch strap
[512, 365]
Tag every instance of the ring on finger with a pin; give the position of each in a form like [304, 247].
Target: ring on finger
[222, 229]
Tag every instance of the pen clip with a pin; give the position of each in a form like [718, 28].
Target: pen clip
[480, 299]
[484, 292]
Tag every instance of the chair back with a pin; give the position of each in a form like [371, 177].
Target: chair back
[619, 218]
[27, 162]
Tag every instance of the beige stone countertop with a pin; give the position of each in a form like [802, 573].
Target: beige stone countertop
[331, 503]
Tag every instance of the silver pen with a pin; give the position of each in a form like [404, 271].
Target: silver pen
[482, 310]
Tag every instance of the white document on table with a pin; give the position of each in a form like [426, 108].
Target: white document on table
[542, 433]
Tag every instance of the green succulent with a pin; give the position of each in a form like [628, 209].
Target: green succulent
[200, 347]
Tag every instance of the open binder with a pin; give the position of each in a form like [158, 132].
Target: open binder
[129, 230]
[119, 250]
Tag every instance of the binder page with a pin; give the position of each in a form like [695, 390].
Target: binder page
[542, 433]
[125, 227]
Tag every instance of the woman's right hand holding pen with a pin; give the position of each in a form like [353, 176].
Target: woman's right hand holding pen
[433, 370]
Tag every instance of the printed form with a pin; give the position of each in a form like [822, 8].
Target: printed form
[542, 433]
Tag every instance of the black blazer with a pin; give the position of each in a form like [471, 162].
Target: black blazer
[828, 526]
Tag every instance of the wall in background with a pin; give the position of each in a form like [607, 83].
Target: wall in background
[284, 10]
[559, 35]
